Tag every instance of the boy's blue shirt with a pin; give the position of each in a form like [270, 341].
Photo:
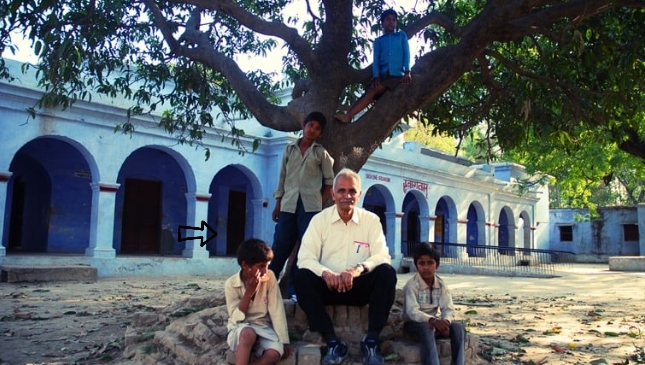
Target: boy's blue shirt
[391, 54]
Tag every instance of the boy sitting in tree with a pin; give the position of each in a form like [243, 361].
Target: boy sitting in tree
[391, 65]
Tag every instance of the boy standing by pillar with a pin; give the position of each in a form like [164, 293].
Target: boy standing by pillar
[306, 176]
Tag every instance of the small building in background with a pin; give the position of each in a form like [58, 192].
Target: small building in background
[615, 232]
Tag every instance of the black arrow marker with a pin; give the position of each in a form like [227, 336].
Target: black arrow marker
[201, 238]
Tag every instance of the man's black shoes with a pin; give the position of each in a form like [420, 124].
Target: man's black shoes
[371, 352]
[336, 352]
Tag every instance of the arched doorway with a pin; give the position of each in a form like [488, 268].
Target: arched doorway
[506, 231]
[232, 210]
[151, 202]
[378, 200]
[525, 223]
[476, 230]
[414, 223]
[445, 225]
[49, 197]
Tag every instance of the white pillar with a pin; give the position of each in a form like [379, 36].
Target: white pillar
[258, 217]
[222, 219]
[194, 248]
[462, 231]
[4, 182]
[432, 220]
[424, 224]
[462, 237]
[393, 238]
[641, 229]
[102, 221]
[482, 232]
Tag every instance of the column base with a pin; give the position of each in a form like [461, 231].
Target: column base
[98, 253]
[195, 254]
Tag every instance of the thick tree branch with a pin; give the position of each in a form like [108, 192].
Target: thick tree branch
[433, 18]
[269, 115]
[576, 11]
[274, 29]
[486, 76]
[634, 144]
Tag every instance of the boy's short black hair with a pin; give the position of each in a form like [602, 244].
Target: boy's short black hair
[316, 116]
[389, 12]
[427, 250]
[253, 251]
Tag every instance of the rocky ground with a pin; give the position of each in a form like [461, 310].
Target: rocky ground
[589, 315]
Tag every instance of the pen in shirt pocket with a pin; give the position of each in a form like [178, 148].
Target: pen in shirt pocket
[359, 244]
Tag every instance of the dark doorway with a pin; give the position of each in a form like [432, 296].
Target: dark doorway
[439, 229]
[141, 222]
[414, 233]
[236, 221]
[380, 211]
[17, 215]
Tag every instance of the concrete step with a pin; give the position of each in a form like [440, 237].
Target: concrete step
[17, 274]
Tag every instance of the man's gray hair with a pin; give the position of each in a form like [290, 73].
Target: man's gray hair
[347, 173]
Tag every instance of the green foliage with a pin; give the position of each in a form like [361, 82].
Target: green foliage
[429, 138]
[557, 105]
[560, 80]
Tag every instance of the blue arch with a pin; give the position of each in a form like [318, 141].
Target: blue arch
[229, 187]
[378, 200]
[472, 234]
[413, 230]
[506, 230]
[445, 224]
[168, 171]
[50, 197]
[475, 230]
[526, 229]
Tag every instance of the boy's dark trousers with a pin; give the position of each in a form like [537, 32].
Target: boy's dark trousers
[289, 230]
[427, 336]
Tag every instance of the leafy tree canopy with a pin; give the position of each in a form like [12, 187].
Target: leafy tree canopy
[429, 137]
[545, 69]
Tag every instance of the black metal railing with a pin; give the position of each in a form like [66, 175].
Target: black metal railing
[502, 258]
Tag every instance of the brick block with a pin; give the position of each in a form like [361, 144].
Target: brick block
[309, 354]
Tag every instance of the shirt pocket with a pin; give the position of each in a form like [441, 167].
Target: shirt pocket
[423, 297]
[313, 163]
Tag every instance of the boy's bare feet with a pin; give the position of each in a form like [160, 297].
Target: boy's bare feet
[343, 118]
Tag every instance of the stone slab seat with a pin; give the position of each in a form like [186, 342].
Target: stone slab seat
[16, 274]
[351, 325]
[627, 263]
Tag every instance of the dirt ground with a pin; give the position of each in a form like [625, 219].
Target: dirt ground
[589, 315]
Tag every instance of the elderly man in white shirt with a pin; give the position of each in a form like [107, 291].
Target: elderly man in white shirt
[344, 259]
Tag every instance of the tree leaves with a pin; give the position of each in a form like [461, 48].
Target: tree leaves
[528, 72]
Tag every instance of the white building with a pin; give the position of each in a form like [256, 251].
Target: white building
[72, 191]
